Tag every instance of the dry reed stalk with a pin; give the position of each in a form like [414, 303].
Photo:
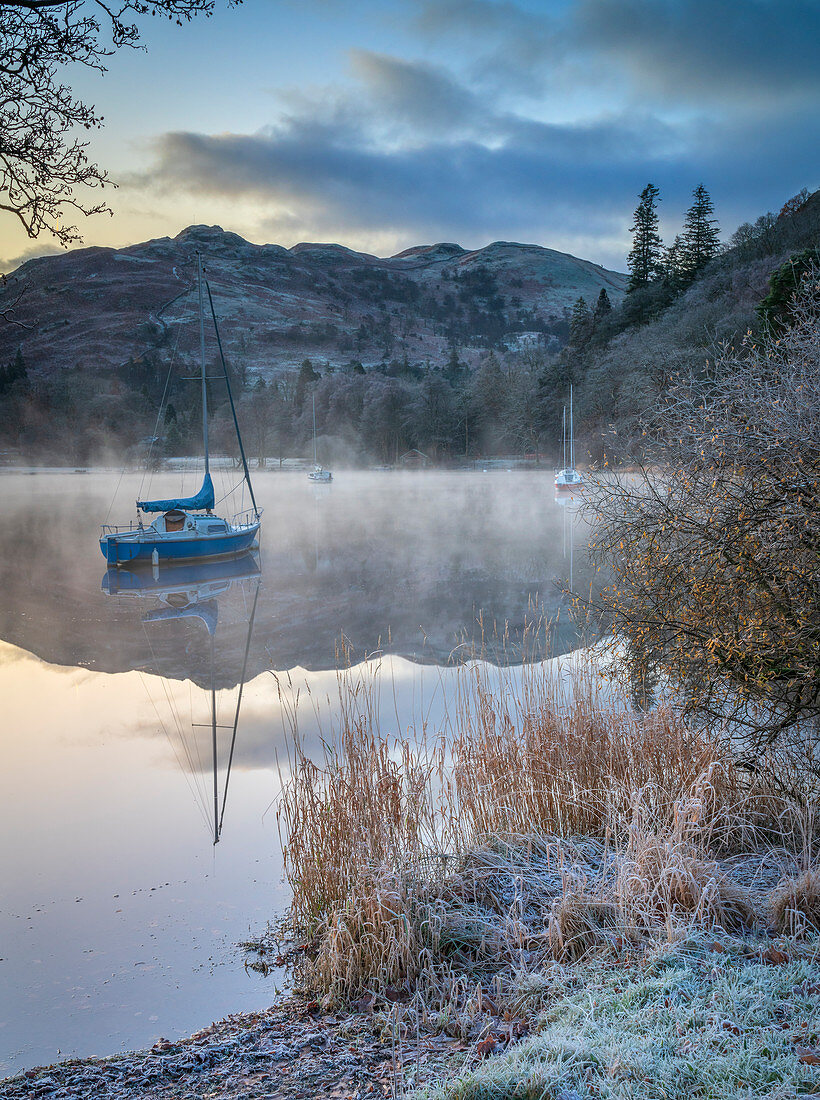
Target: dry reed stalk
[580, 922]
[380, 937]
[571, 764]
[665, 878]
[796, 904]
[418, 861]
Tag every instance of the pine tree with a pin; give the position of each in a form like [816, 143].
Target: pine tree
[645, 259]
[701, 239]
[673, 264]
[603, 306]
[579, 322]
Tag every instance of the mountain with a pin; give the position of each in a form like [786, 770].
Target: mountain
[101, 309]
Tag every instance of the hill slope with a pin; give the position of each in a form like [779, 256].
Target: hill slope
[97, 308]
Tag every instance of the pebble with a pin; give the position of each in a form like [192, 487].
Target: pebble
[284, 1053]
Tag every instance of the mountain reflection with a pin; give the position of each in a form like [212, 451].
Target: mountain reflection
[414, 564]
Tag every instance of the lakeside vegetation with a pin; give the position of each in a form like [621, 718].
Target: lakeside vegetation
[591, 898]
[494, 393]
[607, 882]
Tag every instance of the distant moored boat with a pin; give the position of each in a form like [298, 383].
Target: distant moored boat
[318, 473]
[568, 478]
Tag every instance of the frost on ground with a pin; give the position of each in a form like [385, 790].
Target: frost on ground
[712, 1017]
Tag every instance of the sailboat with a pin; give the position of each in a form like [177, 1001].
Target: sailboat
[191, 592]
[318, 473]
[568, 477]
[187, 528]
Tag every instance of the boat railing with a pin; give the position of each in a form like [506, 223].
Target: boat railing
[119, 528]
[245, 519]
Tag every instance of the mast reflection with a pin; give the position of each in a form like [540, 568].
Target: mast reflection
[192, 591]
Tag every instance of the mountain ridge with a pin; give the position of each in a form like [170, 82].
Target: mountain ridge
[96, 308]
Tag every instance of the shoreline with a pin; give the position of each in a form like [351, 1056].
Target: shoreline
[290, 1050]
[713, 1011]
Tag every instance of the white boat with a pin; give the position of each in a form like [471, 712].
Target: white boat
[318, 473]
[568, 478]
[187, 529]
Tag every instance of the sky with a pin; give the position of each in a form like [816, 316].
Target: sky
[382, 124]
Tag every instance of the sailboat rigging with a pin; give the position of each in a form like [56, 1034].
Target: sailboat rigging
[187, 528]
[318, 473]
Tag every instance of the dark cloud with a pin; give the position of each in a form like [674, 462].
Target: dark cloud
[418, 96]
[413, 153]
[555, 184]
[751, 53]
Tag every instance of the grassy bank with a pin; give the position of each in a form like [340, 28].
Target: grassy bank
[553, 877]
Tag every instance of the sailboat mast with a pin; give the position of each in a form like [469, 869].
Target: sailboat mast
[571, 438]
[202, 364]
[564, 436]
[315, 460]
[213, 746]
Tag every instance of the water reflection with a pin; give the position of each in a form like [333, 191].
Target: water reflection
[407, 563]
[122, 734]
[192, 592]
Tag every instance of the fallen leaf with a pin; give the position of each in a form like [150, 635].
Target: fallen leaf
[486, 1046]
[807, 1056]
[774, 957]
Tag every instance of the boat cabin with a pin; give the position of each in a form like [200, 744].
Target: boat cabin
[183, 523]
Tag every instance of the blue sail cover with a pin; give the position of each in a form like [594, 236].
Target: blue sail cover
[203, 500]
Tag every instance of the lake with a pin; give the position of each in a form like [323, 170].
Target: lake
[144, 714]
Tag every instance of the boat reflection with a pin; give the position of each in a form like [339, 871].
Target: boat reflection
[180, 585]
[192, 591]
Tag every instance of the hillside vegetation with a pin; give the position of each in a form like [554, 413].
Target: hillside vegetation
[457, 354]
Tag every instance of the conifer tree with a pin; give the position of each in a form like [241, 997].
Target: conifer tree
[579, 321]
[673, 263]
[603, 306]
[645, 259]
[701, 239]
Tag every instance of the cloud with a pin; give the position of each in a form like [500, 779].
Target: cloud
[751, 53]
[412, 153]
[30, 253]
[417, 98]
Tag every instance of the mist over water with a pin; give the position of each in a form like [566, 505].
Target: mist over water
[403, 562]
[119, 919]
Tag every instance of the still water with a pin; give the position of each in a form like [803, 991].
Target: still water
[142, 714]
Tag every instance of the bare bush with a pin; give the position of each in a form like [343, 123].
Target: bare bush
[713, 545]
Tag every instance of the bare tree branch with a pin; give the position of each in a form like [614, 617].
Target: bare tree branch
[8, 307]
[714, 545]
[45, 173]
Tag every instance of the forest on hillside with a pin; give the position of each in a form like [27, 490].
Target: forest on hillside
[685, 302]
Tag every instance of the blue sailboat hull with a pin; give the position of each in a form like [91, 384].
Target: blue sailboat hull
[125, 548]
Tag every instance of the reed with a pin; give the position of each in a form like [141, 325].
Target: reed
[796, 904]
[545, 819]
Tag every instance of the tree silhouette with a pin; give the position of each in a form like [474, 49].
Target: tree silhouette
[701, 235]
[645, 259]
[44, 168]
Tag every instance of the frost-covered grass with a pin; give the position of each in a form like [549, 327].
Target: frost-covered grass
[554, 865]
[688, 1022]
